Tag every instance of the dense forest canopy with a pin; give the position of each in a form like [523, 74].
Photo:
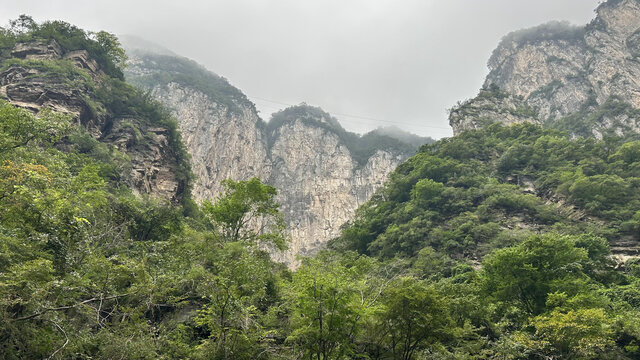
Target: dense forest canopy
[492, 244]
[88, 270]
[471, 193]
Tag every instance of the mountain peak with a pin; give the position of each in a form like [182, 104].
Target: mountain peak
[306, 113]
[582, 79]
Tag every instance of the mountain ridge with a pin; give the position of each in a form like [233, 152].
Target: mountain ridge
[582, 79]
[323, 172]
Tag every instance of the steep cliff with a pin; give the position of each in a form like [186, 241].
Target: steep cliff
[582, 79]
[38, 73]
[322, 172]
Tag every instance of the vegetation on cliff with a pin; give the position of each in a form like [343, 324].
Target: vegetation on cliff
[102, 46]
[492, 244]
[174, 69]
[361, 147]
[471, 193]
[90, 271]
[104, 103]
[521, 218]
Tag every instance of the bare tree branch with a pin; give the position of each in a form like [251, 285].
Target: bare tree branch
[46, 310]
[65, 342]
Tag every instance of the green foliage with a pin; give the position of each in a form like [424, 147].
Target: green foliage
[479, 191]
[360, 147]
[532, 210]
[493, 244]
[111, 47]
[101, 46]
[414, 317]
[583, 334]
[238, 291]
[327, 300]
[349, 306]
[107, 98]
[88, 270]
[63, 71]
[523, 275]
[19, 128]
[243, 205]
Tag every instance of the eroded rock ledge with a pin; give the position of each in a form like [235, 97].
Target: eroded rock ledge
[31, 85]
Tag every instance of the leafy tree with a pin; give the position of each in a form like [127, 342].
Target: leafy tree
[22, 24]
[329, 300]
[247, 211]
[112, 48]
[581, 333]
[19, 127]
[235, 289]
[415, 317]
[523, 275]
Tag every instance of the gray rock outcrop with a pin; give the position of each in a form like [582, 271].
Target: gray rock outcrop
[321, 184]
[582, 79]
[320, 176]
[33, 86]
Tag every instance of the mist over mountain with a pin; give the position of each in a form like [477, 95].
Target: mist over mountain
[147, 211]
[582, 79]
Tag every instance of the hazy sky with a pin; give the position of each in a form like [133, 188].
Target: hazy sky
[401, 61]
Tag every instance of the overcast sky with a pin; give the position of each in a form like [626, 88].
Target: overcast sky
[401, 61]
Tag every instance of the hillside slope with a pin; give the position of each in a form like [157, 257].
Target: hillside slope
[486, 189]
[57, 66]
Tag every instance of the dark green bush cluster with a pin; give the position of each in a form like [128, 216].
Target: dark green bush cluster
[103, 47]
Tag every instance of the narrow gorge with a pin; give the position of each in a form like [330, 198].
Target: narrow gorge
[323, 173]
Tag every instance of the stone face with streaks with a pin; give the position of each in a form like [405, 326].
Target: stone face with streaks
[222, 144]
[320, 183]
[306, 157]
[568, 74]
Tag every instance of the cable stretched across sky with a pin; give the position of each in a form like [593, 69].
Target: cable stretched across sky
[353, 116]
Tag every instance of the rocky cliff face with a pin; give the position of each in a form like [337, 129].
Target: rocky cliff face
[582, 79]
[42, 74]
[322, 172]
[321, 184]
[222, 144]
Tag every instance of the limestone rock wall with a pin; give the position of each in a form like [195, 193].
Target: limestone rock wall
[223, 144]
[560, 70]
[491, 106]
[320, 183]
